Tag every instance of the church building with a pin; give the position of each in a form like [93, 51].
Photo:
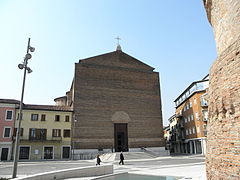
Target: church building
[116, 103]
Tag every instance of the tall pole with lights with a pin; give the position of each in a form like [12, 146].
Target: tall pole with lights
[26, 69]
[73, 132]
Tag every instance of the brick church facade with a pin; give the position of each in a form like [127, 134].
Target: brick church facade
[117, 104]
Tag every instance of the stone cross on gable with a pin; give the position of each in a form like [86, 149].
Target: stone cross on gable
[118, 45]
[118, 39]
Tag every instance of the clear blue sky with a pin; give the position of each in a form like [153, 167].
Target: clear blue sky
[173, 36]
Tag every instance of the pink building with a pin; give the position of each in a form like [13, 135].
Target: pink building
[7, 119]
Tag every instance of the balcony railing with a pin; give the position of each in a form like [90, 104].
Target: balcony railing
[46, 139]
[197, 86]
[24, 138]
[20, 137]
[37, 138]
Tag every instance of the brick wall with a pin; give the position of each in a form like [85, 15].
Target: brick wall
[223, 141]
[224, 17]
[111, 84]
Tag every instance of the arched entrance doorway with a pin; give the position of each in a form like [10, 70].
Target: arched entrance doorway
[120, 137]
[120, 120]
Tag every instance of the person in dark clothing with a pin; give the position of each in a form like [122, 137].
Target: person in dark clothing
[98, 160]
[121, 158]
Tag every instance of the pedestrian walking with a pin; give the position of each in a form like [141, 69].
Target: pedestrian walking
[121, 158]
[98, 160]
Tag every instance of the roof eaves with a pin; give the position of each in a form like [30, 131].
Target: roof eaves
[189, 88]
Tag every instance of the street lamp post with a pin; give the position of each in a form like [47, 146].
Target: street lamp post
[26, 69]
[73, 131]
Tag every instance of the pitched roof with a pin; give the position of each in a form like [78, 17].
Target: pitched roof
[36, 106]
[9, 101]
[47, 107]
[62, 97]
[117, 59]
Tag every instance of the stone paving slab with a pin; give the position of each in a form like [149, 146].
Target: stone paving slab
[185, 166]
